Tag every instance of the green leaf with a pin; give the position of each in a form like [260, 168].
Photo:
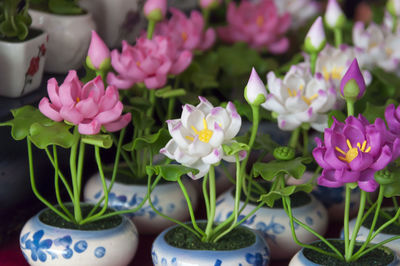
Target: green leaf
[272, 196]
[234, 148]
[153, 142]
[24, 117]
[268, 171]
[103, 140]
[64, 7]
[167, 92]
[390, 80]
[57, 133]
[264, 142]
[339, 115]
[372, 112]
[170, 172]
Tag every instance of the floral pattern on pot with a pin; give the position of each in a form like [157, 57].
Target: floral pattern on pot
[273, 224]
[167, 198]
[258, 254]
[42, 244]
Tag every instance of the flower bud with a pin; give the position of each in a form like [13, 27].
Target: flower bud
[315, 38]
[255, 92]
[352, 85]
[155, 9]
[98, 57]
[393, 6]
[384, 177]
[209, 4]
[334, 16]
[284, 153]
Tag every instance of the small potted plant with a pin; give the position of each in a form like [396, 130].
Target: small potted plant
[22, 50]
[69, 28]
[75, 117]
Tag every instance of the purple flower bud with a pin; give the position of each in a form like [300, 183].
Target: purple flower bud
[352, 85]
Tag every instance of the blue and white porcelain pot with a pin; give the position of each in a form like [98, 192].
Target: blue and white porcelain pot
[164, 254]
[301, 260]
[166, 197]
[273, 223]
[43, 244]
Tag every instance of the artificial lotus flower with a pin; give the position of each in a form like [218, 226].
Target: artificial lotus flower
[300, 98]
[392, 117]
[352, 85]
[198, 135]
[257, 24]
[155, 9]
[333, 62]
[315, 39]
[377, 45]
[98, 57]
[148, 61]
[209, 4]
[88, 106]
[334, 16]
[353, 151]
[255, 92]
[187, 33]
[309, 9]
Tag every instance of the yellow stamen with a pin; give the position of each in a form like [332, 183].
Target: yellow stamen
[195, 130]
[389, 51]
[368, 150]
[260, 21]
[301, 87]
[340, 150]
[204, 135]
[78, 99]
[325, 73]
[138, 63]
[310, 99]
[337, 72]
[289, 92]
[189, 138]
[349, 144]
[184, 36]
[352, 153]
[364, 145]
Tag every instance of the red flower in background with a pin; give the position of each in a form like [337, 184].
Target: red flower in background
[42, 49]
[33, 66]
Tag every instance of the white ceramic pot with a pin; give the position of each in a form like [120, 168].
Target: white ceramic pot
[273, 223]
[69, 39]
[42, 244]
[363, 233]
[22, 64]
[117, 20]
[300, 260]
[164, 254]
[166, 197]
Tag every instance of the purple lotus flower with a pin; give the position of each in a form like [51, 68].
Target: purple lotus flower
[353, 84]
[353, 151]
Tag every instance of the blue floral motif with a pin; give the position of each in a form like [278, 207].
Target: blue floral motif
[80, 246]
[218, 263]
[122, 203]
[319, 214]
[65, 242]
[249, 221]
[309, 220]
[164, 262]
[99, 252]
[329, 196]
[258, 259]
[154, 257]
[37, 246]
[271, 230]
[219, 201]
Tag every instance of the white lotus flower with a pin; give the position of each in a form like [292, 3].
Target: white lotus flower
[308, 9]
[377, 45]
[197, 137]
[333, 62]
[300, 98]
[334, 16]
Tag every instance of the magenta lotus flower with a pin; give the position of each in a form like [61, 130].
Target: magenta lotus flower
[187, 33]
[155, 9]
[258, 24]
[98, 53]
[352, 84]
[353, 151]
[149, 62]
[88, 105]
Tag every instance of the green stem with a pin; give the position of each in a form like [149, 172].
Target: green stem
[305, 142]
[376, 246]
[350, 107]
[294, 138]
[338, 37]
[152, 99]
[394, 24]
[150, 28]
[358, 221]
[33, 184]
[74, 178]
[81, 158]
[313, 62]
[124, 154]
[205, 195]
[346, 222]
[206, 16]
[210, 218]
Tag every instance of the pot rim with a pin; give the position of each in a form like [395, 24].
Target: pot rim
[24, 42]
[61, 16]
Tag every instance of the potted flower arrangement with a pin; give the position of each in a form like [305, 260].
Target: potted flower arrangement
[75, 117]
[69, 28]
[22, 50]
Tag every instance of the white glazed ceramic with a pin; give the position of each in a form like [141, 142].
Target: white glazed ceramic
[166, 197]
[117, 20]
[22, 64]
[300, 260]
[363, 233]
[274, 225]
[69, 39]
[42, 244]
[164, 254]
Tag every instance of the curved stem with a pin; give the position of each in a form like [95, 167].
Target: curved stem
[294, 138]
[75, 188]
[305, 142]
[152, 99]
[376, 246]
[210, 218]
[358, 221]
[205, 195]
[346, 222]
[81, 158]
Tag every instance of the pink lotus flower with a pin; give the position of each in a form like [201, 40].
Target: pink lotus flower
[149, 61]
[98, 52]
[187, 33]
[88, 105]
[155, 9]
[257, 24]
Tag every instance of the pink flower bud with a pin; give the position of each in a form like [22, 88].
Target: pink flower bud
[155, 9]
[209, 4]
[98, 57]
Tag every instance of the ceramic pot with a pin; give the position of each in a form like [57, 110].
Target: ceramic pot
[22, 64]
[363, 233]
[42, 244]
[301, 260]
[164, 254]
[69, 39]
[185, 5]
[273, 223]
[117, 20]
[166, 197]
